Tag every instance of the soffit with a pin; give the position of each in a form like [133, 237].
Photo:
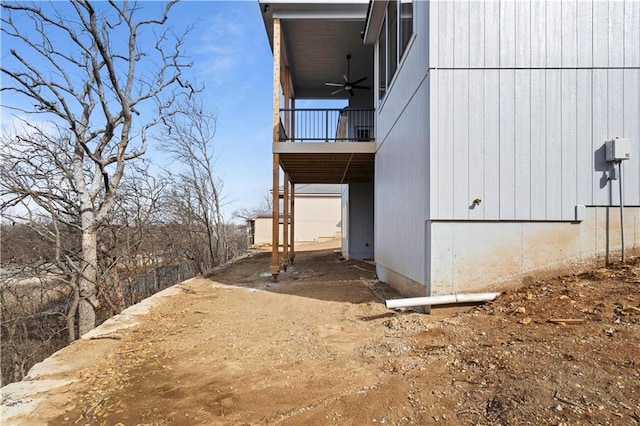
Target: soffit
[317, 38]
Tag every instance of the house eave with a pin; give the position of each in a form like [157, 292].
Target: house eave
[375, 16]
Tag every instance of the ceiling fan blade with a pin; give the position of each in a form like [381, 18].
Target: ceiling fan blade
[351, 92]
[346, 79]
[338, 91]
[361, 87]
[359, 81]
[334, 84]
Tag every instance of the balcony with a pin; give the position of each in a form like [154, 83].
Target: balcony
[328, 125]
[327, 145]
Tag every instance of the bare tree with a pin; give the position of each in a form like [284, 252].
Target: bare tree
[128, 241]
[189, 138]
[83, 66]
[250, 213]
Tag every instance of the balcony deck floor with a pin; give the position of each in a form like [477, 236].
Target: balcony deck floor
[338, 162]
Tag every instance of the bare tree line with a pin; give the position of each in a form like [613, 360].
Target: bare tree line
[87, 229]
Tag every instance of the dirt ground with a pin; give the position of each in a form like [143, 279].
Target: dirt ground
[319, 347]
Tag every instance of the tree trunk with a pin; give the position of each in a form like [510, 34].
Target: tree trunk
[71, 315]
[88, 281]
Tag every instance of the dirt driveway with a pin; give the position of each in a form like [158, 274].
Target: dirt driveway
[319, 347]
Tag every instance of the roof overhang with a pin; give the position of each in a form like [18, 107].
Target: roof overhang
[375, 16]
[316, 38]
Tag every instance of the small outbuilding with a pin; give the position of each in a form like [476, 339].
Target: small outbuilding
[317, 217]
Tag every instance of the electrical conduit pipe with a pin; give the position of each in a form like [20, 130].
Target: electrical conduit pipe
[440, 300]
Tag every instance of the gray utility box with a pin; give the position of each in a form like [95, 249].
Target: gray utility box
[618, 149]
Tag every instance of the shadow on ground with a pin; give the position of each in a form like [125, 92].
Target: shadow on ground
[321, 275]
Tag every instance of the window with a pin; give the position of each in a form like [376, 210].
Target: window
[406, 24]
[382, 60]
[395, 33]
[392, 22]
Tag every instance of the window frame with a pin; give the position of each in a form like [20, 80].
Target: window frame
[382, 60]
[386, 70]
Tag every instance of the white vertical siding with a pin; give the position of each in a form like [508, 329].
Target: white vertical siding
[553, 35]
[444, 177]
[599, 134]
[476, 145]
[460, 143]
[568, 143]
[461, 31]
[523, 34]
[402, 173]
[538, 33]
[509, 102]
[631, 32]
[600, 34]
[507, 170]
[616, 115]
[616, 33]
[401, 192]
[569, 51]
[553, 142]
[584, 145]
[477, 28]
[584, 34]
[630, 130]
[538, 150]
[492, 144]
[522, 124]
[491, 34]
[445, 34]
[551, 82]
[507, 34]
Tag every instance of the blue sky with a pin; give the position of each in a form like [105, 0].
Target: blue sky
[231, 56]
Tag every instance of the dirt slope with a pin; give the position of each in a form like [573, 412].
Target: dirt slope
[320, 348]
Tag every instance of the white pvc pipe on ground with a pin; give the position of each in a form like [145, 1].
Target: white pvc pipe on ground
[440, 300]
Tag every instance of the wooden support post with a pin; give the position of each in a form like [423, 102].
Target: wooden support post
[292, 252]
[275, 234]
[275, 230]
[285, 223]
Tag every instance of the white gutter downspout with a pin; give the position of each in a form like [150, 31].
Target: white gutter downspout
[440, 300]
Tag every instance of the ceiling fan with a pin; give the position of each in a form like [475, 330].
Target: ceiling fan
[348, 85]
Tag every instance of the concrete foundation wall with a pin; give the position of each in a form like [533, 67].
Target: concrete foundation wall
[477, 256]
[404, 285]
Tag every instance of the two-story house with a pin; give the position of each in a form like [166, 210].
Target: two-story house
[476, 148]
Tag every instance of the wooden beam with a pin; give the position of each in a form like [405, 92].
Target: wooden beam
[285, 223]
[275, 234]
[292, 251]
[275, 230]
[277, 58]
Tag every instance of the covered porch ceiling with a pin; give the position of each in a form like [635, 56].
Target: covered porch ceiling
[316, 38]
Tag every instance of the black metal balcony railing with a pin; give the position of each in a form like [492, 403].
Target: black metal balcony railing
[327, 125]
